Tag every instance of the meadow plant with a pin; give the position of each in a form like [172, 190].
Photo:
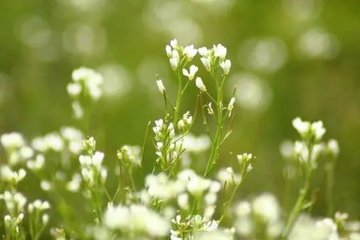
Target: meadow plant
[186, 195]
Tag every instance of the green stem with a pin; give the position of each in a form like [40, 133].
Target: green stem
[329, 189]
[298, 205]
[228, 202]
[214, 154]
[178, 98]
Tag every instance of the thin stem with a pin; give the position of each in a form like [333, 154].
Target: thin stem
[228, 203]
[217, 140]
[330, 188]
[298, 205]
[178, 98]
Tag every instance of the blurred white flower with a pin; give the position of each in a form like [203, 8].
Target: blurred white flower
[199, 84]
[266, 207]
[160, 86]
[265, 55]
[12, 140]
[226, 65]
[318, 44]
[135, 219]
[252, 93]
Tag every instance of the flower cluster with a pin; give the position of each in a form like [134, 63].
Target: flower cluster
[261, 217]
[179, 55]
[86, 84]
[310, 148]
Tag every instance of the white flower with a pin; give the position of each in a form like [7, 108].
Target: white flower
[54, 141]
[302, 151]
[301, 126]
[45, 185]
[318, 129]
[243, 158]
[38, 205]
[316, 151]
[14, 201]
[174, 62]
[197, 185]
[91, 81]
[203, 51]
[207, 63]
[168, 51]
[95, 160]
[74, 184]
[199, 83]
[185, 123]
[243, 208]
[190, 52]
[74, 89]
[36, 164]
[228, 176]
[174, 43]
[160, 86]
[11, 176]
[266, 207]
[191, 73]
[183, 201]
[226, 65]
[220, 51]
[135, 219]
[12, 140]
[26, 152]
[210, 198]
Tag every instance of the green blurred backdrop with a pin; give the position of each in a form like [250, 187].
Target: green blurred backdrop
[289, 58]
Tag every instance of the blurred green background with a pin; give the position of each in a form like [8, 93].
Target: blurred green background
[289, 58]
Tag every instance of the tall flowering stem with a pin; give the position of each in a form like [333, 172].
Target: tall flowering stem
[213, 60]
[307, 152]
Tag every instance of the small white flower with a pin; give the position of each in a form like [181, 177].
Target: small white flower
[45, 185]
[220, 51]
[318, 129]
[207, 63]
[74, 184]
[228, 176]
[74, 89]
[168, 51]
[160, 86]
[203, 51]
[191, 73]
[174, 62]
[12, 140]
[54, 141]
[302, 127]
[174, 43]
[190, 52]
[199, 83]
[183, 201]
[266, 206]
[226, 65]
[97, 159]
[302, 151]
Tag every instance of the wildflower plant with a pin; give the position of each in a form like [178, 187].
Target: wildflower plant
[178, 199]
